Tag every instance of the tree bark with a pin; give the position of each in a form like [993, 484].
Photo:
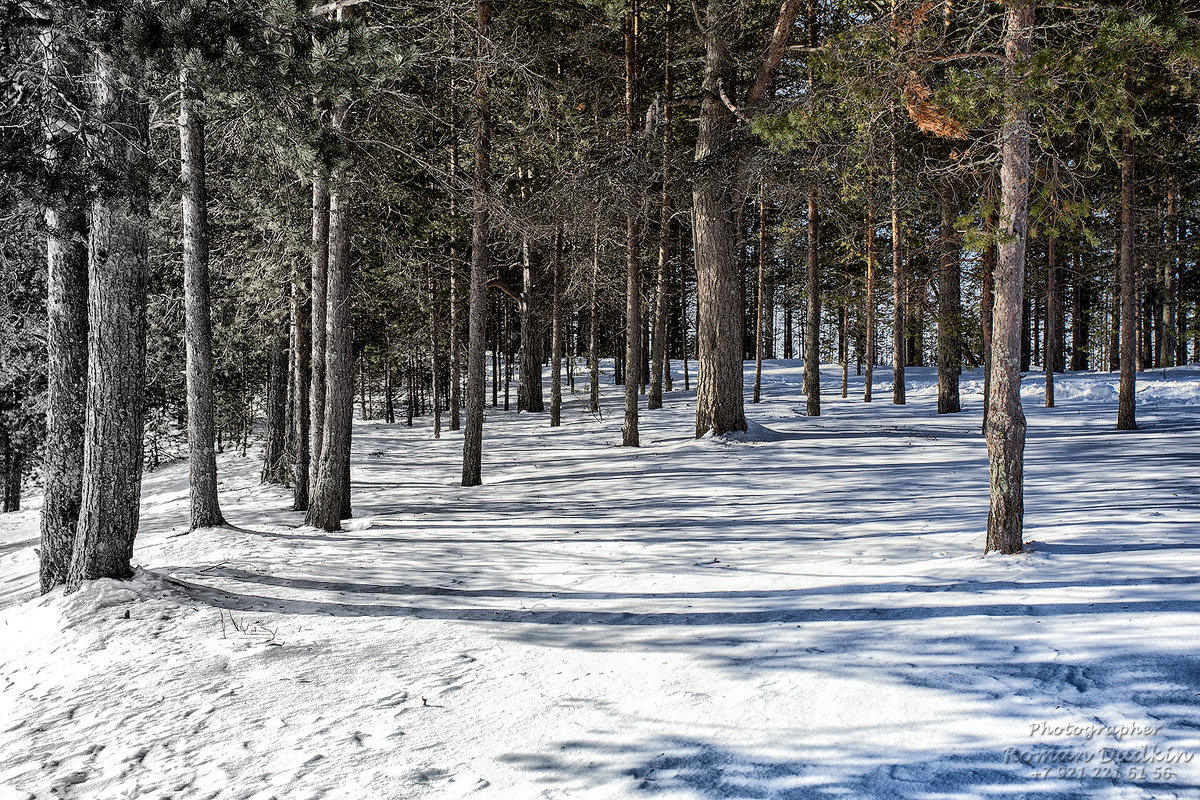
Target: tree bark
[477, 294]
[719, 401]
[329, 503]
[202, 459]
[117, 274]
[1052, 314]
[1006, 420]
[869, 298]
[812, 320]
[434, 364]
[66, 339]
[949, 310]
[301, 380]
[660, 365]
[633, 266]
[1126, 417]
[275, 458]
[556, 332]
[320, 304]
[899, 312]
[986, 302]
[762, 287]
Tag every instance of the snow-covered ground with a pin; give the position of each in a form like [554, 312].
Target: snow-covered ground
[803, 611]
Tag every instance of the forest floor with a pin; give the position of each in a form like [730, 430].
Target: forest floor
[804, 611]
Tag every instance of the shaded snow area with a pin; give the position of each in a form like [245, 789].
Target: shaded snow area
[803, 611]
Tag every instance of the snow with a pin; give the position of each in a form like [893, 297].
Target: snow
[802, 611]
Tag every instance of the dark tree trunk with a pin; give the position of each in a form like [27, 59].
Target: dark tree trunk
[594, 330]
[66, 340]
[556, 331]
[949, 310]
[477, 294]
[1126, 420]
[320, 294]
[529, 388]
[329, 503]
[435, 377]
[117, 273]
[719, 401]
[1006, 420]
[202, 458]
[276, 468]
[986, 303]
[301, 380]
[455, 302]
[762, 286]
[869, 299]
[812, 320]
[1079, 354]
[1052, 315]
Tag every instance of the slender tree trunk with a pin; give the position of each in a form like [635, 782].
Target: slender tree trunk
[869, 299]
[1126, 420]
[1078, 335]
[329, 504]
[455, 257]
[1051, 318]
[301, 380]
[762, 285]
[594, 329]
[899, 312]
[812, 320]
[719, 400]
[556, 332]
[949, 310]
[529, 388]
[320, 293]
[477, 298]
[202, 459]
[434, 365]
[1166, 348]
[633, 266]
[986, 303]
[1006, 420]
[66, 339]
[844, 345]
[117, 273]
[660, 365]
[275, 462]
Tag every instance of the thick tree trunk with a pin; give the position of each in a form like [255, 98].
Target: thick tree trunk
[1006, 420]
[719, 400]
[1126, 419]
[477, 294]
[66, 339]
[899, 313]
[117, 273]
[202, 458]
[329, 503]
[949, 310]
[320, 305]
[869, 299]
[812, 319]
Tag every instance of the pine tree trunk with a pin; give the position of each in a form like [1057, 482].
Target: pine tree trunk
[529, 387]
[329, 503]
[594, 329]
[477, 293]
[1006, 420]
[762, 286]
[275, 461]
[633, 266]
[318, 322]
[869, 299]
[455, 302]
[719, 400]
[812, 319]
[899, 313]
[434, 367]
[556, 331]
[117, 274]
[1078, 335]
[301, 379]
[660, 365]
[67, 333]
[1052, 312]
[949, 310]
[202, 459]
[1126, 420]
[987, 302]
